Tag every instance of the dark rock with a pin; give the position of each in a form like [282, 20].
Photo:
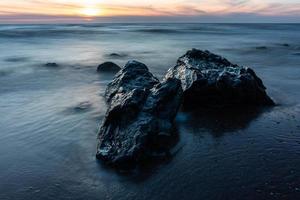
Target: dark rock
[117, 55]
[108, 67]
[209, 79]
[262, 48]
[285, 45]
[138, 122]
[83, 106]
[16, 59]
[134, 76]
[51, 65]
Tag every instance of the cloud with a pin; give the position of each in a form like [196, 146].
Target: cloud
[280, 9]
[175, 10]
[236, 2]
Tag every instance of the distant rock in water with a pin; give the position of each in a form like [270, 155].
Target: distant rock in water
[138, 122]
[108, 67]
[209, 79]
[262, 48]
[117, 55]
[16, 59]
[83, 106]
[51, 65]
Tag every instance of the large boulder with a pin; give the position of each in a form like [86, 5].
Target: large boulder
[209, 79]
[139, 118]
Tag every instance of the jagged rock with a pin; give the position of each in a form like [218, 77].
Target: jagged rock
[134, 76]
[209, 79]
[108, 67]
[139, 116]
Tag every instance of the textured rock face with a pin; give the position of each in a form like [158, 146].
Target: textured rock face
[139, 117]
[134, 76]
[108, 67]
[209, 79]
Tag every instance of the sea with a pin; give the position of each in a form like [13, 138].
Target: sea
[50, 116]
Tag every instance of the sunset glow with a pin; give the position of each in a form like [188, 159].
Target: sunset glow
[90, 8]
[90, 11]
[15, 10]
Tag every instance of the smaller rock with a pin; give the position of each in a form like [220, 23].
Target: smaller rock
[262, 48]
[83, 106]
[117, 55]
[51, 65]
[16, 59]
[108, 67]
[285, 45]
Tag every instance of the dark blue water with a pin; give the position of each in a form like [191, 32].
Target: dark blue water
[49, 116]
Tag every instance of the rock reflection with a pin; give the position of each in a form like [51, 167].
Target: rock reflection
[219, 120]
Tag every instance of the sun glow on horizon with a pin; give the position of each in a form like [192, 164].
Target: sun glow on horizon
[90, 11]
[90, 8]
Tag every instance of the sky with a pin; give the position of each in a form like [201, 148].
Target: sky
[55, 11]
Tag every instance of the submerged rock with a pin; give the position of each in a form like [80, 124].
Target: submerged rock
[51, 65]
[83, 106]
[209, 79]
[262, 48]
[139, 118]
[16, 59]
[108, 67]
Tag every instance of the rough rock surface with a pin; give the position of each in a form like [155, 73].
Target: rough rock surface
[108, 67]
[134, 76]
[209, 79]
[139, 117]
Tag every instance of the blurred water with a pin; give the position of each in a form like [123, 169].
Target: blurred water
[48, 142]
